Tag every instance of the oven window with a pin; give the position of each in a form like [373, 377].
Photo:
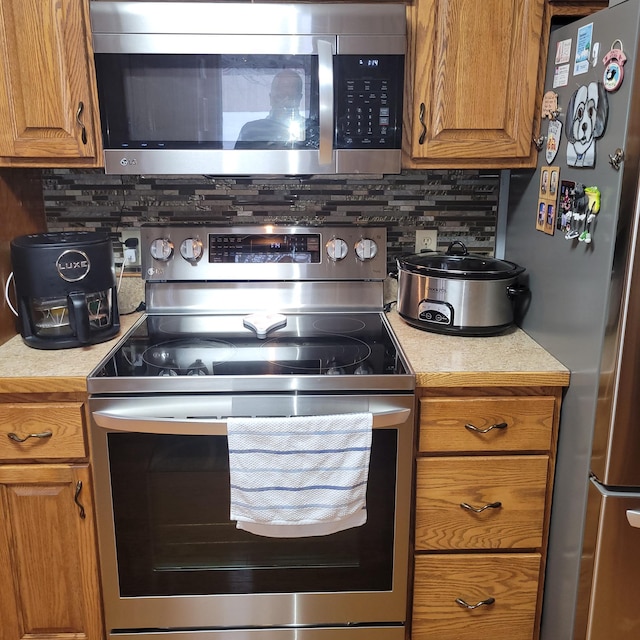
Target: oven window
[174, 536]
[151, 101]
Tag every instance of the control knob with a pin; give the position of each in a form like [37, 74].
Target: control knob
[161, 249]
[192, 249]
[366, 249]
[336, 249]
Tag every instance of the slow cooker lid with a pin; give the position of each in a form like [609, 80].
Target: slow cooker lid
[457, 262]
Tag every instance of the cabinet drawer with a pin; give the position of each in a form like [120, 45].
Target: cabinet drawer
[33, 422]
[518, 483]
[456, 424]
[511, 579]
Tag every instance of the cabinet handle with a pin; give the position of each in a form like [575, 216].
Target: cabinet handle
[83, 515]
[482, 603]
[491, 505]
[499, 425]
[423, 135]
[16, 438]
[80, 123]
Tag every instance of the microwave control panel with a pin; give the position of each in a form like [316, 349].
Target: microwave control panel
[368, 95]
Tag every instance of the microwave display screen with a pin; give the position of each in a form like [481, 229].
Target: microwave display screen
[181, 101]
[302, 248]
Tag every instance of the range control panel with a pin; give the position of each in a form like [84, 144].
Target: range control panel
[204, 252]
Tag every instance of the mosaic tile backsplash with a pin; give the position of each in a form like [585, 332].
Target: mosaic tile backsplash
[460, 205]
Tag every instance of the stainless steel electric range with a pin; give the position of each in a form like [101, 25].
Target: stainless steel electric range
[258, 322]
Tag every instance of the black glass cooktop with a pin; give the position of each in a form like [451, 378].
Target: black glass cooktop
[199, 346]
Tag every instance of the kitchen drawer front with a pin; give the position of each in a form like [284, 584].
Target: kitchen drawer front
[511, 579]
[528, 420]
[48, 431]
[518, 483]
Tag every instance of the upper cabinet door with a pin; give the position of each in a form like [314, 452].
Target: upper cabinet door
[48, 108]
[475, 67]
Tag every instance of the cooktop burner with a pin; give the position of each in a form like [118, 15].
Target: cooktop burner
[218, 347]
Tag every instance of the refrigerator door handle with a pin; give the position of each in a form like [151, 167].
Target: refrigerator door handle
[633, 516]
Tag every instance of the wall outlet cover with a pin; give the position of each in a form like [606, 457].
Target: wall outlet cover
[131, 248]
[426, 240]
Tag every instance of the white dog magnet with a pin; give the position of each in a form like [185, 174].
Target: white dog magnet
[586, 120]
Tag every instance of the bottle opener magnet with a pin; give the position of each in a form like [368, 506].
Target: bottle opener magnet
[614, 67]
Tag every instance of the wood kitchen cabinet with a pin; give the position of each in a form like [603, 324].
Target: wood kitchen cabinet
[48, 556]
[484, 480]
[48, 97]
[472, 87]
[475, 78]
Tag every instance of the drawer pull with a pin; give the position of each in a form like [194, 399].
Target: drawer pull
[499, 425]
[421, 115]
[76, 499]
[491, 505]
[482, 603]
[16, 438]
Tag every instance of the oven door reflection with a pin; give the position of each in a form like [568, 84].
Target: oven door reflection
[170, 500]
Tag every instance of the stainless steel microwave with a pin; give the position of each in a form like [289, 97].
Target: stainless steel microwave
[249, 88]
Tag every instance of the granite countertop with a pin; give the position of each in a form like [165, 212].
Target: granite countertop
[24, 369]
[512, 359]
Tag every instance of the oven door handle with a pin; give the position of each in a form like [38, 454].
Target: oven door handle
[208, 426]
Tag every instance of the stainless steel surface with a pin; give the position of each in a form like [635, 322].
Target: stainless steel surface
[279, 162]
[151, 415]
[611, 563]
[350, 268]
[226, 274]
[239, 28]
[475, 305]
[583, 310]
[265, 610]
[196, 18]
[247, 297]
[286, 633]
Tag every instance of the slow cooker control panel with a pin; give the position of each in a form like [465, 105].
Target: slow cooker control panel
[436, 312]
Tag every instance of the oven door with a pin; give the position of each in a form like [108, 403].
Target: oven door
[172, 559]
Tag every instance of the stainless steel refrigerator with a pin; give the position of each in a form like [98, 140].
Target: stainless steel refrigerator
[581, 250]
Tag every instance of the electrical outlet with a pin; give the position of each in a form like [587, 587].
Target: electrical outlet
[426, 240]
[131, 248]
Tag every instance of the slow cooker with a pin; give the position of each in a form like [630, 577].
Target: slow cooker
[457, 292]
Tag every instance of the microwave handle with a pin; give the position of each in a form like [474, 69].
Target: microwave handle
[325, 90]
[208, 426]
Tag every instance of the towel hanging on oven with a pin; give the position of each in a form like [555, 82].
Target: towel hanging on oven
[300, 476]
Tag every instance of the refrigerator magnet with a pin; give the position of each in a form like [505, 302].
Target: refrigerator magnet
[613, 67]
[540, 218]
[553, 140]
[584, 45]
[565, 203]
[550, 218]
[587, 114]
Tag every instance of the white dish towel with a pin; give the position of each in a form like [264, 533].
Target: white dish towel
[299, 476]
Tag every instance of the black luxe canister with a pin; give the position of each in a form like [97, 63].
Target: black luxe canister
[65, 288]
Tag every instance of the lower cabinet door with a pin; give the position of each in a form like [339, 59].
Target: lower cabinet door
[475, 596]
[48, 565]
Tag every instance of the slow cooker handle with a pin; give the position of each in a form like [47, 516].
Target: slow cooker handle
[517, 290]
[459, 243]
